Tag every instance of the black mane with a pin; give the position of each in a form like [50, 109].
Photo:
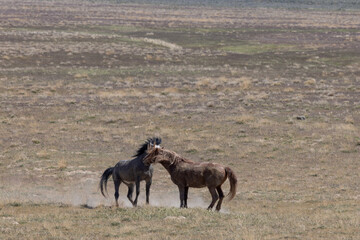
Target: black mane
[143, 147]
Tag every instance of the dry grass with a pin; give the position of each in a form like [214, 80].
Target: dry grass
[56, 221]
[83, 88]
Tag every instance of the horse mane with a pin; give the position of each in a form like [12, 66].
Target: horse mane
[176, 158]
[142, 149]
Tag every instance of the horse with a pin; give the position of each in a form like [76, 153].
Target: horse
[131, 172]
[186, 173]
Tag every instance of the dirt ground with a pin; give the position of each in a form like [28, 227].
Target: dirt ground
[272, 93]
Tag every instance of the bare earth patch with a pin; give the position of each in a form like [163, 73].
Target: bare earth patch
[272, 93]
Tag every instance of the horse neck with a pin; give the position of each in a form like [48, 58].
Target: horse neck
[168, 166]
[139, 159]
[176, 158]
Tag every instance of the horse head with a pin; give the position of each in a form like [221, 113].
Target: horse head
[153, 151]
[155, 141]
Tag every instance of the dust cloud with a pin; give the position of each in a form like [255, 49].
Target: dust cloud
[86, 193]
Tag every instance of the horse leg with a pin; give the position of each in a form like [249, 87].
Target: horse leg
[186, 196]
[182, 196]
[130, 192]
[137, 191]
[214, 196]
[221, 197]
[148, 184]
[117, 185]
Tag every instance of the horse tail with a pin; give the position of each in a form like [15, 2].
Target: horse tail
[104, 179]
[233, 183]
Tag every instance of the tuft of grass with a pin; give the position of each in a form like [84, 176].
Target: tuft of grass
[35, 141]
[310, 82]
[15, 204]
[192, 151]
[62, 165]
[43, 154]
[115, 224]
[243, 119]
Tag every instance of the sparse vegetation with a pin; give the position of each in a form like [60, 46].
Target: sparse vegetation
[271, 92]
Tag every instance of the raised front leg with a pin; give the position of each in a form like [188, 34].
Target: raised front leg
[137, 191]
[214, 196]
[148, 184]
[182, 196]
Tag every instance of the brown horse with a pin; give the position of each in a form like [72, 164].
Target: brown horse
[186, 173]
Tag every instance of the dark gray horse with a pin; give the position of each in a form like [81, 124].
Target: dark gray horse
[131, 172]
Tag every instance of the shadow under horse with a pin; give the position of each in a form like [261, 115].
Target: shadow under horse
[131, 172]
[186, 173]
